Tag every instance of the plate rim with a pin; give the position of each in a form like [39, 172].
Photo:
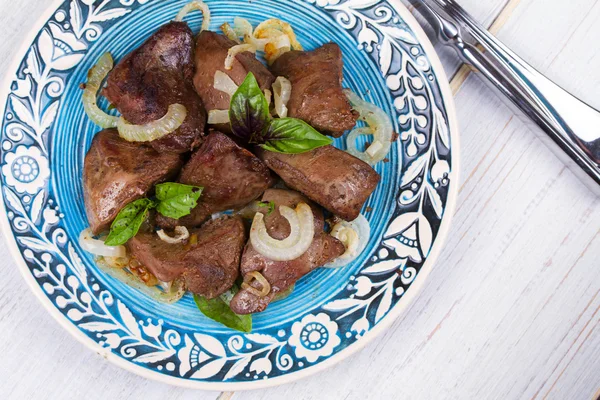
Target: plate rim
[383, 325]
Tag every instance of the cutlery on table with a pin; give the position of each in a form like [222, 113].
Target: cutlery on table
[571, 127]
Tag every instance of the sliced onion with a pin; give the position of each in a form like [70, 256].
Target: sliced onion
[259, 44]
[233, 51]
[282, 90]
[277, 44]
[96, 76]
[268, 96]
[264, 27]
[230, 33]
[274, 44]
[265, 286]
[278, 39]
[224, 83]
[170, 296]
[195, 5]
[380, 126]
[181, 235]
[273, 36]
[301, 235]
[355, 236]
[293, 237]
[349, 237]
[242, 27]
[272, 53]
[374, 149]
[97, 247]
[153, 130]
[218, 117]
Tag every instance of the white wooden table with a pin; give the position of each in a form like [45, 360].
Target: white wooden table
[511, 310]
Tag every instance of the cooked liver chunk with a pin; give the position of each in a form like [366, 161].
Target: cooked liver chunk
[208, 268]
[211, 51]
[231, 176]
[117, 172]
[282, 274]
[317, 96]
[330, 177]
[155, 75]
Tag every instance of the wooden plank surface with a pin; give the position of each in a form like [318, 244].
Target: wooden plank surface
[512, 308]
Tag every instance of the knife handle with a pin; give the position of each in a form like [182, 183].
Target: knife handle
[571, 124]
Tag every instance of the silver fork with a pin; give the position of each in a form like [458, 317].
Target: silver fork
[572, 127]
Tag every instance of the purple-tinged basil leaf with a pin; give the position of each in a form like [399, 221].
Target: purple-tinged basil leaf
[249, 111]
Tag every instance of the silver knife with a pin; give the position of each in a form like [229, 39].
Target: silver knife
[571, 127]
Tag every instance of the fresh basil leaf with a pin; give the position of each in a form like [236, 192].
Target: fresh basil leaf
[249, 111]
[292, 136]
[218, 310]
[270, 205]
[128, 221]
[176, 200]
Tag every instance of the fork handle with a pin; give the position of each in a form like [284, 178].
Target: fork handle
[569, 122]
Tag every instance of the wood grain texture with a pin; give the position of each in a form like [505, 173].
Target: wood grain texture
[512, 307]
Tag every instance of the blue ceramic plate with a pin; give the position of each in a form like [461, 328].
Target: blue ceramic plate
[333, 312]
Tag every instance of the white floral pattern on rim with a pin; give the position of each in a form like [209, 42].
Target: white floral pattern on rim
[314, 336]
[26, 169]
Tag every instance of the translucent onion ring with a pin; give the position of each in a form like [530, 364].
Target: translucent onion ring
[96, 76]
[302, 231]
[280, 25]
[181, 235]
[354, 244]
[153, 130]
[259, 44]
[349, 237]
[230, 33]
[195, 5]
[242, 27]
[292, 239]
[224, 83]
[265, 286]
[276, 47]
[97, 246]
[216, 117]
[380, 126]
[268, 96]
[233, 51]
[282, 90]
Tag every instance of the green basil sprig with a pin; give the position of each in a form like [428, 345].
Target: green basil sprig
[252, 123]
[270, 206]
[174, 200]
[128, 221]
[218, 310]
[292, 136]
